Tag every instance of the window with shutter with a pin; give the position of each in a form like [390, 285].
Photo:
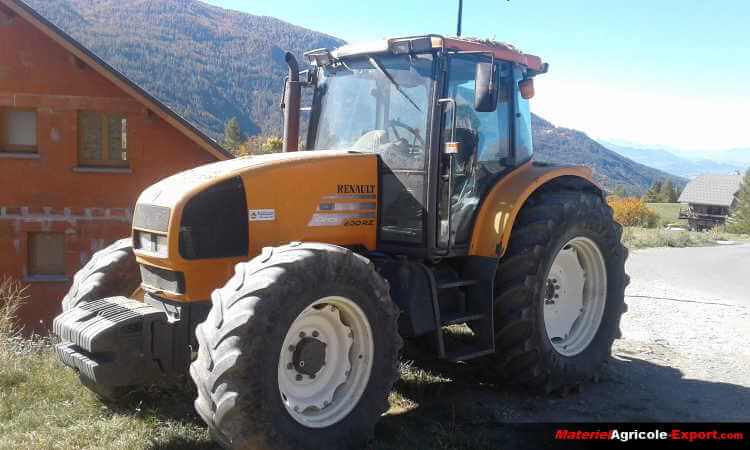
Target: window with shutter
[18, 130]
[102, 139]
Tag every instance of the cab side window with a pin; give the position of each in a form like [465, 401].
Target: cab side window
[484, 145]
[491, 130]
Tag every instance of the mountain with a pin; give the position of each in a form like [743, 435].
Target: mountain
[210, 64]
[737, 155]
[566, 146]
[207, 63]
[679, 165]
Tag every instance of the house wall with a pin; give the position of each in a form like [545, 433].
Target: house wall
[709, 209]
[48, 191]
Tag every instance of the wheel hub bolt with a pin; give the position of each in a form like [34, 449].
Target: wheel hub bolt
[302, 334]
[291, 348]
[312, 376]
[315, 334]
[298, 377]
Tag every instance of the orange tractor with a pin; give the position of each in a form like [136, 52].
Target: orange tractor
[287, 283]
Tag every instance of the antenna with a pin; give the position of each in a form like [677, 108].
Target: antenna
[460, 14]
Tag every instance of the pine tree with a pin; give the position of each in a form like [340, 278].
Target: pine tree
[667, 193]
[740, 218]
[652, 195]
[232, 135]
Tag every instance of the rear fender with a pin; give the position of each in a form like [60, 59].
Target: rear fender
[498, 212]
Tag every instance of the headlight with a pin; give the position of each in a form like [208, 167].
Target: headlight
[153, 243]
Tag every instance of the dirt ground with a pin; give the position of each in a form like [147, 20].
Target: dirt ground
[680, 360]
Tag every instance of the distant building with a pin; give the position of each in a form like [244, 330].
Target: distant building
[709, 200]
[78, 143]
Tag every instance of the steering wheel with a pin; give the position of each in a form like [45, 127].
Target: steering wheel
[394, 124]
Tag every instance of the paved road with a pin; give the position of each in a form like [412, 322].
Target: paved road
[719, 274]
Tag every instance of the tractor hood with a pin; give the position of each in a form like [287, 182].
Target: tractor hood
[201, 222]
[170, 190]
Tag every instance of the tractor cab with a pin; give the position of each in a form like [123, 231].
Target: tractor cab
[447, 117]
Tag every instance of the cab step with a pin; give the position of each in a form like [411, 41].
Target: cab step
[456, 318]
[475, 282]
[457, 284]
[459, 356]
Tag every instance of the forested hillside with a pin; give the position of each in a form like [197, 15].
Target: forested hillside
[207, 63]
[566, 146]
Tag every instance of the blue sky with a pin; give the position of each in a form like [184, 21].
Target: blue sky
[669, 72]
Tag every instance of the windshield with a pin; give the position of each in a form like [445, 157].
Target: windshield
[377, 104]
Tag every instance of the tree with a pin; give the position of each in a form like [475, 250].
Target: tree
[273, 144]
[740, 217]
[260, 145]
[620, 191]
[667, 193]
[652, 195]
[232, 135]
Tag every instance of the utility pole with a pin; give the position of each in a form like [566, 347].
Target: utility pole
[460, 14]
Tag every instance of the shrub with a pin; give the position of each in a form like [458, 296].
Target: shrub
[260, 145]
[632, 211]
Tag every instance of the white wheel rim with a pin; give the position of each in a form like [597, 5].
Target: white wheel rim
[324, 392]
[574, 295]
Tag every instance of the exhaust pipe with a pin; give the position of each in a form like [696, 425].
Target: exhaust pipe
[291, 105]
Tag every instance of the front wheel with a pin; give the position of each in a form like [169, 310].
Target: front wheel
[559, 292]
[299, 350]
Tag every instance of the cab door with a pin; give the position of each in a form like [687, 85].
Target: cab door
[485, 149]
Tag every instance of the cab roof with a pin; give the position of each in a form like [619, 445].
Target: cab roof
[501, 50]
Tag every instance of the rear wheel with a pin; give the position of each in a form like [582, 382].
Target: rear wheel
[559, 292]
[111, 272]
[299, 350]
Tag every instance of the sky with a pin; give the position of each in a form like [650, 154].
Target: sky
[672, 73]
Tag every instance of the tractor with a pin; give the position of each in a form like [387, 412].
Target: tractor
[286, 284]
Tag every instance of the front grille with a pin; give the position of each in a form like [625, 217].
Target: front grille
[163, 279]
[151, 217]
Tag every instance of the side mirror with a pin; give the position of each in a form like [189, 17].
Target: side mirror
[526, 87]
[485, 87]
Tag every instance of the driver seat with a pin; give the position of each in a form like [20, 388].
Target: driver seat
[370, 141]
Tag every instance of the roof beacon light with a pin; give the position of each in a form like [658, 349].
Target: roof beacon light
[319, 57]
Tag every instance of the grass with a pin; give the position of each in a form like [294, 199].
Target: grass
[636, 237]
[44, 406]
[668, 213]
